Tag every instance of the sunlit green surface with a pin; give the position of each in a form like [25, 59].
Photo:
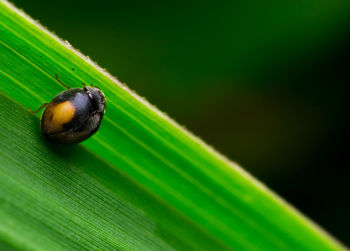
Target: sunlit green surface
[140, 182]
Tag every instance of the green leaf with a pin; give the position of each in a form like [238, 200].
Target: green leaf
[142, 182]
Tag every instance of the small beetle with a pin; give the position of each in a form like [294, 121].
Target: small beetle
[73, 115]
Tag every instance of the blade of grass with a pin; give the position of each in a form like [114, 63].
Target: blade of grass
[221, 203]
[54, 197]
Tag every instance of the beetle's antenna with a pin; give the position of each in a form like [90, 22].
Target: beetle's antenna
[59, 81]
[84, 85]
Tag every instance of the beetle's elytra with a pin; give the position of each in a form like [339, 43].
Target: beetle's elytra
[73, 115]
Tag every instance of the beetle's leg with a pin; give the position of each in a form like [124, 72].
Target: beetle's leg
[37, 110]
[84, 85]
[59, 81]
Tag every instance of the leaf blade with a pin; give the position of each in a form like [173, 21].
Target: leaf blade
[218, 198]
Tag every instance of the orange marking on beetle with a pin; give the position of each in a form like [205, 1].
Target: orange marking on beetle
[58, 115]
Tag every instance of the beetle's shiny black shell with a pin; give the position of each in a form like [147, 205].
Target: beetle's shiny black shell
[73, 115]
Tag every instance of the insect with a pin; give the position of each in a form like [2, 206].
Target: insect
[73, 115]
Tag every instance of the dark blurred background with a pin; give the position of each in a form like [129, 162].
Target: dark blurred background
[265, 82]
